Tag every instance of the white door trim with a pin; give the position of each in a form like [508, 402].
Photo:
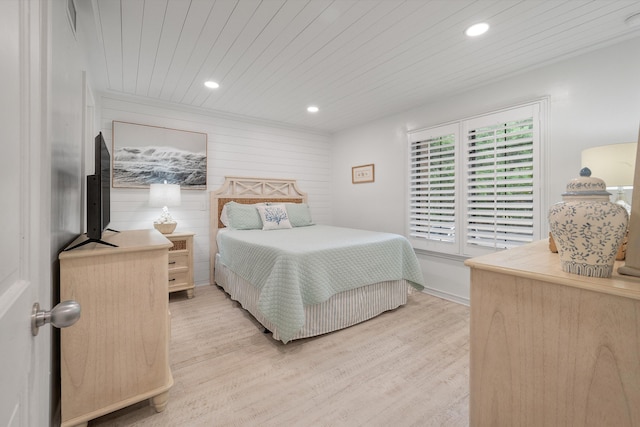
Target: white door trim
[38, 256]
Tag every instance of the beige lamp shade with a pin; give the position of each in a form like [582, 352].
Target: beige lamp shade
[615, 164]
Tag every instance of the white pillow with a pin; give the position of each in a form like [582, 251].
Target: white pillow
[274, 217]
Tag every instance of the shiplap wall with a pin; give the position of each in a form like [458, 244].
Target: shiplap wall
[235, 147]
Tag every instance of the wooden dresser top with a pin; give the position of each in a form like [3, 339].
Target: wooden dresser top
[535, 261]
[127, 241]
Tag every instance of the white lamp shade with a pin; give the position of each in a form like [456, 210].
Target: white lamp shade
[161, 195]
[615, 164]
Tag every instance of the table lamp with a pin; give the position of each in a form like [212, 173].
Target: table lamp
[164, 195]
[615, 164]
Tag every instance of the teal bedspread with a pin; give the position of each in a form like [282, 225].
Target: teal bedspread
[307, 265]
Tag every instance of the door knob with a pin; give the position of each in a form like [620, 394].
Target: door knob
[62, 315]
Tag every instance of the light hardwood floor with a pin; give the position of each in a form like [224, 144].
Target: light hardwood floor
[407, 367]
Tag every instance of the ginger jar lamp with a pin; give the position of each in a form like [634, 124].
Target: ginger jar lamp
[587, 227]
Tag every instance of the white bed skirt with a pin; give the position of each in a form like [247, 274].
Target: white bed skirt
[340, 311]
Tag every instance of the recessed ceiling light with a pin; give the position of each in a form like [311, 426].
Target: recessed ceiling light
[211, 84]
[477, 29]
[313, 109]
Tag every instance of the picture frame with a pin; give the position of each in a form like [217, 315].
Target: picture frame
[144, 154]
[362, 174]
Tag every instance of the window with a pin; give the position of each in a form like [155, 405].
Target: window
[474, 184]
[432, 198]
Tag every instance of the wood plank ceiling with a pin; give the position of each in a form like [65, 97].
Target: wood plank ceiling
[357, 60]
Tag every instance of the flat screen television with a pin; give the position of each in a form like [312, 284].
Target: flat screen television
[98, 195]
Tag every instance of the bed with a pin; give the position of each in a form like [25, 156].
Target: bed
[302, 279]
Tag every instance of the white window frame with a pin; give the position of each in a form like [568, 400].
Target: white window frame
[459, 247]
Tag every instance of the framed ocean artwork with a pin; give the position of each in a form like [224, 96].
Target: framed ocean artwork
[144, 155]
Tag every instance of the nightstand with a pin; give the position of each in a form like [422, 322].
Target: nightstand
[181, 262]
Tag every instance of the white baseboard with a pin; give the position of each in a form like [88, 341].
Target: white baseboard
[447, 296]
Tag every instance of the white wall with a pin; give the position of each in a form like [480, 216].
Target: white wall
[234, 148]
[65, 130]
[594, 100]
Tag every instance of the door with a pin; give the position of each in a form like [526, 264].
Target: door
[25, 274]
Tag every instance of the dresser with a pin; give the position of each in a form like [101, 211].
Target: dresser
[117, 353]
[550, 348]
[181, 262]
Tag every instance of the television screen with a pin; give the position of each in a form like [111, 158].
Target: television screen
[98, 191]
[98, 196]
[105, 181]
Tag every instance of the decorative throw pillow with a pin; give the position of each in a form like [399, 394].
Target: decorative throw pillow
[274, 217]
[299, 214]
[243, 217]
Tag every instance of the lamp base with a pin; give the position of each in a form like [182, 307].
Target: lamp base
[628, 271]
[166, 227]
[621, 200]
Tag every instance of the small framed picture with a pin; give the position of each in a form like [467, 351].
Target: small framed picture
[362, 174]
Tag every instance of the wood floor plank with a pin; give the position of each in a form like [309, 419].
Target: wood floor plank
[407, 367]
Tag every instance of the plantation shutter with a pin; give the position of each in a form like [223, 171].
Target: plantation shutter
[501, 166]
[474, 184]
[432, 187]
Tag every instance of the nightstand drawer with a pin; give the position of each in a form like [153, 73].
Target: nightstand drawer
[178, 278]
[181, 263]
[178, 260]
[178, 245]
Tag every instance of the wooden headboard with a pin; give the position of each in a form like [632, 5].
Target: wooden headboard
[248, 191]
